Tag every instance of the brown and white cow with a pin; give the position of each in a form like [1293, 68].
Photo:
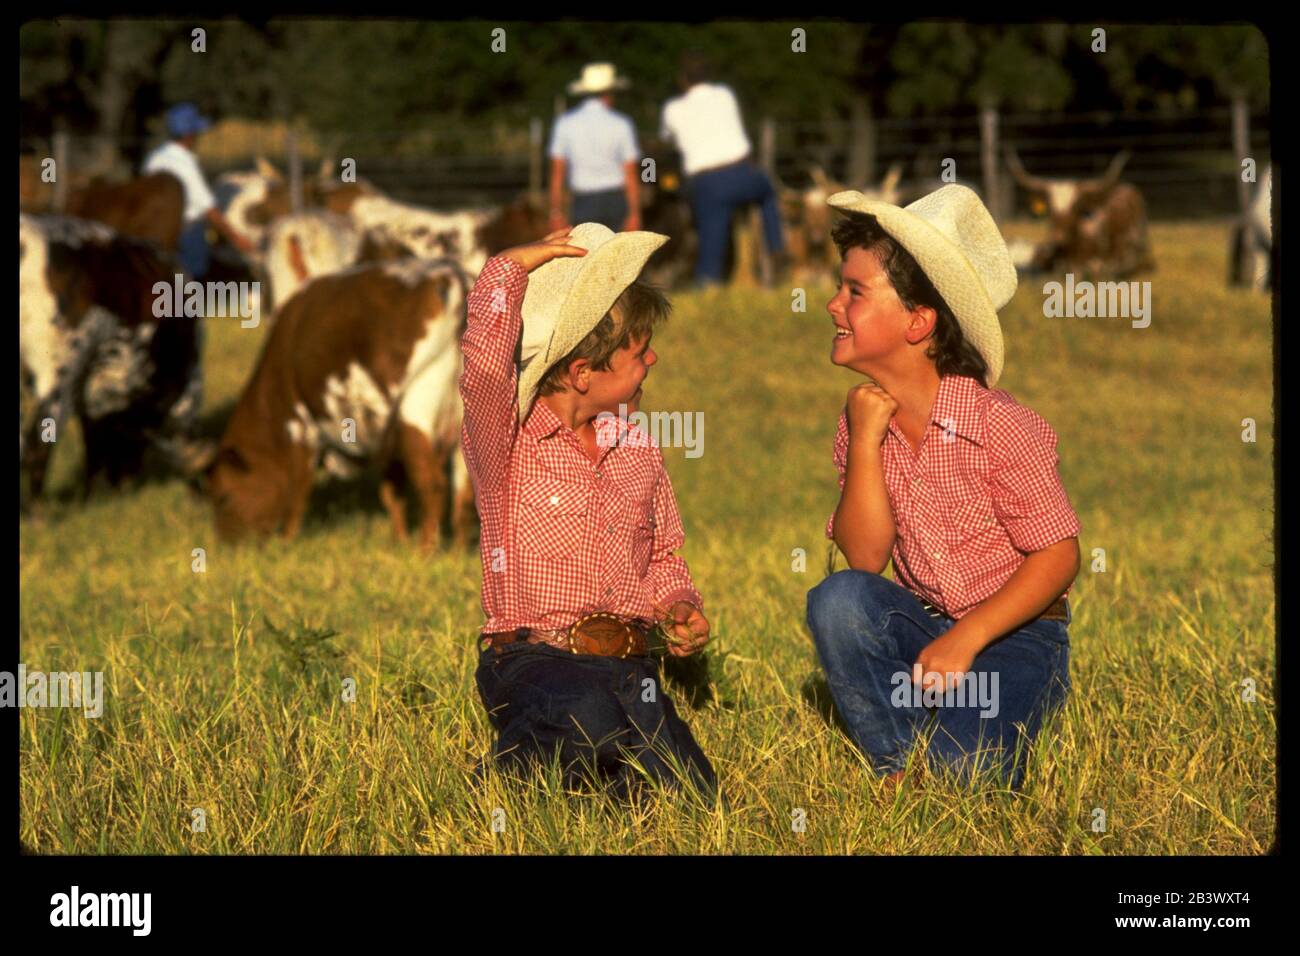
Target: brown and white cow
[1098, 226]
[93, 345]
[147, 207]
[361, 368]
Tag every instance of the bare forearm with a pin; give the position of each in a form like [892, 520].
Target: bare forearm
[864, 523]
[1041, 579]
[557, 185]
[632, 183]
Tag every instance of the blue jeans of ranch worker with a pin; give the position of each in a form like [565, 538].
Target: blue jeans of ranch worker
[192, 249]
[714, 197]
[869, 630]
[595, 711]
[607, 207]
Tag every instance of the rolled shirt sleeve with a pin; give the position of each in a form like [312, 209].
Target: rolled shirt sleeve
[1028, 496]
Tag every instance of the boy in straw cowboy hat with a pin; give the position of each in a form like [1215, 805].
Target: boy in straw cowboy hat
[579, 520]
[953, 479]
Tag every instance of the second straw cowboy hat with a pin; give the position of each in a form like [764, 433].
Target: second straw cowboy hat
[598, 78]
[960, 249]
[567, 297]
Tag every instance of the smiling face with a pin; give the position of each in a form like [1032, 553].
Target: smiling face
[872, 327]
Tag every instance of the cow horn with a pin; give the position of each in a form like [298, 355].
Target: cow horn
[1111, 175]
[889, 185]
[1033, 183]
[265, 169]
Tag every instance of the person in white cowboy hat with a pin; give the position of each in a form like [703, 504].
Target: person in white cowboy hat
[956, 482]
[594, 149]
[578, 516]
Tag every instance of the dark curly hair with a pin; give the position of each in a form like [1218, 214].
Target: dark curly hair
[951, 353]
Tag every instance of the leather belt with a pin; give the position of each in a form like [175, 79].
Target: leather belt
[1057, 611]
[600, 634]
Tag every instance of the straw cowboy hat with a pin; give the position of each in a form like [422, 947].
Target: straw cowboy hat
[598, 78]
[958, 246]
[567, 297]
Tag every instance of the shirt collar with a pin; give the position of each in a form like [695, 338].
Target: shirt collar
[957, 406]
[541, 422]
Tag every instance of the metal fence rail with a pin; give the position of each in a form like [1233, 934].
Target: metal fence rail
[1186, 165]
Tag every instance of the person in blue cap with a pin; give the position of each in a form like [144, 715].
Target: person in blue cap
[176, 156]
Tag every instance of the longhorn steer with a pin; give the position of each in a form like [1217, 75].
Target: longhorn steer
[1098, 226]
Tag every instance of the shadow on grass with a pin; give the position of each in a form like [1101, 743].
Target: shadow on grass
[816, 693]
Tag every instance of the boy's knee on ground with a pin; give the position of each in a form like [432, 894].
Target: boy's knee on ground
[842, 604]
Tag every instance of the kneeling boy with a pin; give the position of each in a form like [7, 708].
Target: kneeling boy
[955, 481]
[579, 520]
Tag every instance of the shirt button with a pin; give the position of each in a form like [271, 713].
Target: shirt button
[599, 475]
[610, 529]
[555, 499]
[608, 591]
[937, 556]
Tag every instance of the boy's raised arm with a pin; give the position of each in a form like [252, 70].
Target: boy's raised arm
[489, 381]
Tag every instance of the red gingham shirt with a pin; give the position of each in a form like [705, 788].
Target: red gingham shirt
[562, 535]
[980, 493]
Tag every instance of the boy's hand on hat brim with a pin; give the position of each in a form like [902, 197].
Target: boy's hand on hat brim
[554, 246]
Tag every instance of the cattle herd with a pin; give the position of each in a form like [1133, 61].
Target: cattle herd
[366, 296]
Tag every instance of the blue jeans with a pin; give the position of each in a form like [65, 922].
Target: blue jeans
[714, 197]
[608, 207]
[192, 249]
[594, 711]
[869, 630]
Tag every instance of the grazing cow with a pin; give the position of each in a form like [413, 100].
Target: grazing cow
[92, 346]
[361, 367]
[1250, 253]
[1098, 226]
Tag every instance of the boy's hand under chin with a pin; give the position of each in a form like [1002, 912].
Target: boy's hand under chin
[870, 408]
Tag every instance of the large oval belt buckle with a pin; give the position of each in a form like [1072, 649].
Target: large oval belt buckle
[606, 631]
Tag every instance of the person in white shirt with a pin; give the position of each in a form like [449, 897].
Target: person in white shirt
[705, 124]
[176, 156]
[594, 147]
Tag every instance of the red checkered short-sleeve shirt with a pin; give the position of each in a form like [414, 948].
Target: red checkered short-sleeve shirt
[980, 492]
[561, 535]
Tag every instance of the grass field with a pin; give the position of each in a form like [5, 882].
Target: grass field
[208, 707]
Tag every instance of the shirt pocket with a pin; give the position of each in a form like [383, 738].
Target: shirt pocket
[973, 522]
[552, 516]
[638, 521]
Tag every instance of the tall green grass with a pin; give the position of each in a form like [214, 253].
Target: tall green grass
[224, 693]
